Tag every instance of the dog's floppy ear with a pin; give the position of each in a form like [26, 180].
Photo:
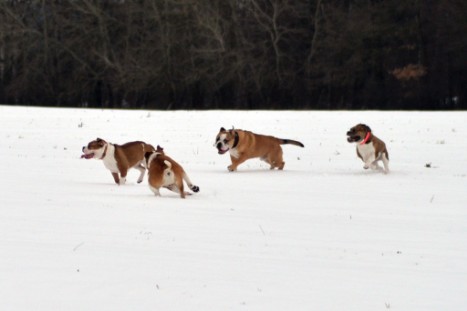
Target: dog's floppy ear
[222, 129]
[100, 141]
[366, 127]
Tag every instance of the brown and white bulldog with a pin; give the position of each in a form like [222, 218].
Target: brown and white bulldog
[243, 145]
[163, 171]
[119, 158]
[370, 148]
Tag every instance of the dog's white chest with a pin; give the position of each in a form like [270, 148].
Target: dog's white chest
[109, 159]
[234, 153]
[366, 151]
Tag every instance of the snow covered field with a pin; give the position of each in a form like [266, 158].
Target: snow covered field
[323, 234]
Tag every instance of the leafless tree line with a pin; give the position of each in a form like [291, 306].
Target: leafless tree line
[240, 54]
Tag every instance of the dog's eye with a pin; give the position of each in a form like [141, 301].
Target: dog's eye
[226, 141]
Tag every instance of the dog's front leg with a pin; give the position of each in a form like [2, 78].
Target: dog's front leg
[369, 162]
[236, 161]
[122, 180]
[369, 165]
[123, 172]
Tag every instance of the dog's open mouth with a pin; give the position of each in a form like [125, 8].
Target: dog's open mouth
[352, 139]
[87, 156]
[222, 151]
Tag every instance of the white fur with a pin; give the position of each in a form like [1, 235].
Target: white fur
[109, 159]
[141, 169]
[155, 190]
[169, 177]
[151, 157]
[385, 163]
[234, 153]
[187, 180]
[367, 152]
[221, 140]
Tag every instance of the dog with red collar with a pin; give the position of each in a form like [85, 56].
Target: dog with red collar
[119, 158]
[370, 148]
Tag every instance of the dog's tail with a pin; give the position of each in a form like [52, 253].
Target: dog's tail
[193, 188]
[291, 142]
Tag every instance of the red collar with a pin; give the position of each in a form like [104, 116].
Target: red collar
[366, 138]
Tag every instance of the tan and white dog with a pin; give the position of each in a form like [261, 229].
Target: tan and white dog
[370, 148]
[243, 145]
[163, 171]
[119, 158]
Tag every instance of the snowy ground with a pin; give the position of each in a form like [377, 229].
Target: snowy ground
[323, 234]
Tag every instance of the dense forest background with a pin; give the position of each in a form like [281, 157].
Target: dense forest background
[236, 54]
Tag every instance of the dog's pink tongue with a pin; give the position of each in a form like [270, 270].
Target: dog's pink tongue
[87, 156]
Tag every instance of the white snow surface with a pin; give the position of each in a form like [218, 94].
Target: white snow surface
[323, 234]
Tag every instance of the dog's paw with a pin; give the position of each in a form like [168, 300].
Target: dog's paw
[231, 168]
[194, 188]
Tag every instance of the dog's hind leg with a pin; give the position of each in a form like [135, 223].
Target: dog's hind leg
[178, 188]
[141, 170]
[280, 165]
[155, 190]
[179, 184]
[385, 163]
[276, 160]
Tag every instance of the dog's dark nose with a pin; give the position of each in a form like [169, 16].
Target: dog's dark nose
[219, 145]
[83, 148]
[348, 133]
